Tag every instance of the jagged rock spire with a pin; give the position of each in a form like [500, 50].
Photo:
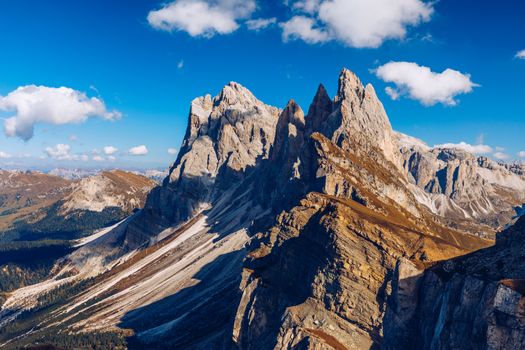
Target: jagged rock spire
[290, 129]
[364, 125]
[319, 110]
[349, 85]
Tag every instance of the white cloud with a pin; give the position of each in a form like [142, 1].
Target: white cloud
[98, 158]
[360, 23]
[4, 155]
[33, 104]
[141, 150]
[63, 152]
[308, 6]
[501, 156]
[475, 149]
[59, 152]
[73, 138]
[301, 27]
[423, 85]
[260, 23]
[204, 18]
[393, 93]
[521, 154]
[172, 151]
[521, 54]
[180, 65]
[109, 150]
[112, 158]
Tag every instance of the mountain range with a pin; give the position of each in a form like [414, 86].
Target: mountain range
[285, 229]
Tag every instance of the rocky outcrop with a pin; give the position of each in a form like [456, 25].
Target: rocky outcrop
[115, 188]
[459, 185]
[355, 120]
[475, 300]
[321, 276]
[227, 136]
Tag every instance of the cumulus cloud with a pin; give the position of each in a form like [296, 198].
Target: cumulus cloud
[260, 23]
[33, 104]
[172, 151]
[204, 18]
[63, 152]
[422, 84]
[475, 149]
[358, 23]
[4, 155]
[98, 158]
[521, 154]
[109, 150]
[521, 54]
[501, 155]
[301, 27]
[59, 152]
[141, 150]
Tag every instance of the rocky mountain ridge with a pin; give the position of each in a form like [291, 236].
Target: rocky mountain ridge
[277, 229]
[459, 184]
[28, 198]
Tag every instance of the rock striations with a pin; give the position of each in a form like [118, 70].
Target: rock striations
[459, 185]
[280, 230]
[473, 301]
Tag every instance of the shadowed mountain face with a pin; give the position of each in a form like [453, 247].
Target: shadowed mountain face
[277, 229]
[476, 299]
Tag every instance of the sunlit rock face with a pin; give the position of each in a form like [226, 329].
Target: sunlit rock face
[277, 229]
[353, 213]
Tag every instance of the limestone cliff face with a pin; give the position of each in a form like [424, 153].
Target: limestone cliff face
[343, 218]
[321, 276]
[227, 136]
[348, 211]
[460, 185]
[474, 301]
[355, 119]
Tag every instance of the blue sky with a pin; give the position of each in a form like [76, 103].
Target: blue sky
[149, 71]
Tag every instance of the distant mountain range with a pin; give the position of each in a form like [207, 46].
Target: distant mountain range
[279, 229]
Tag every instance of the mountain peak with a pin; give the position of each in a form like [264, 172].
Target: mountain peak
[348, 83]
[319, 110]
[295, 113]
[362, 123]
[235, 94]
